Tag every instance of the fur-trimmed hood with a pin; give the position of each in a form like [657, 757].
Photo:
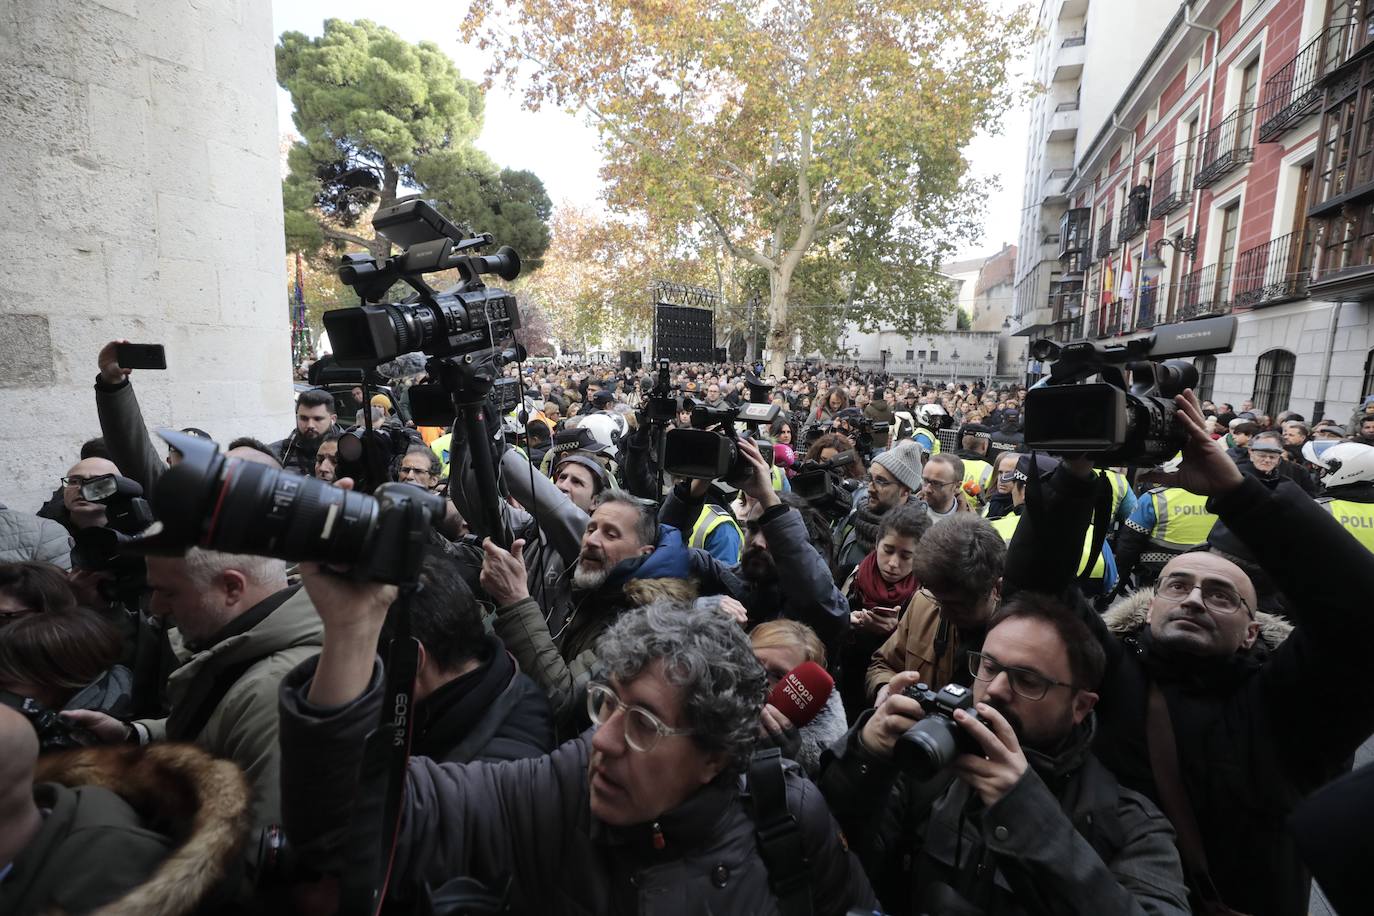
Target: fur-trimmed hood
[1127, 615]
[200, 803]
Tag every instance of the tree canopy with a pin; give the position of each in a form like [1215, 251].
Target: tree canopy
[380, 117]
[814, 140]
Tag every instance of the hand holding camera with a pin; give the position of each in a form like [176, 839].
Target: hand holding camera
[999, 763]
[895, 715]
[503, 572]
[759, 483]
[111, 373]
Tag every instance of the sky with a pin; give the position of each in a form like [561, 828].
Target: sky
[562, 150]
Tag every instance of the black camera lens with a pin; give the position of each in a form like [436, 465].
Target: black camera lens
[928, 746]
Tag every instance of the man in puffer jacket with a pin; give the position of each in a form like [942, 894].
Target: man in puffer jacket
[28, 537]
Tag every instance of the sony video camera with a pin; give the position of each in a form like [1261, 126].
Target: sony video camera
[932, 743]
[233, 506]
[824, 486]
[710, 449]
[1120, 423]
[466, 318]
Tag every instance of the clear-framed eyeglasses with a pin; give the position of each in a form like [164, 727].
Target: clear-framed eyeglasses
[643, 729]
[1217, 598]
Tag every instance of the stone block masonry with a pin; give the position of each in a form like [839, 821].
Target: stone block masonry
[143, 198]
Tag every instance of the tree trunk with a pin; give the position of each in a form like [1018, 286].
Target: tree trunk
[779, 335]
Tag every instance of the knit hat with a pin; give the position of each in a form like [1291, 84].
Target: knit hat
[903, 461]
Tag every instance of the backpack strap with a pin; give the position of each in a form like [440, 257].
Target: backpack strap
[779, 835]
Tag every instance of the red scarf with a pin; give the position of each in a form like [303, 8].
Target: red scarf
[874, 590]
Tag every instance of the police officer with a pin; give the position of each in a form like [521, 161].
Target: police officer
[975, 441]
[1103, 577]
[716, 530]
[1167, 521]
[929, 419]
[1347, 470]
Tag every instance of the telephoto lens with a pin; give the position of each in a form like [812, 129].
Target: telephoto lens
[234, 506]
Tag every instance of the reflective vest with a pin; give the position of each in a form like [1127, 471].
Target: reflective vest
[1006, 526]
[711, 518]
[776, 473]
[925, 437]
[1181, 518]
[440, 447]
[1120, 486]
[1357, 518]
[980, 472]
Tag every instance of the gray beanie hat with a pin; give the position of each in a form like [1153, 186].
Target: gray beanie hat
[903, 461]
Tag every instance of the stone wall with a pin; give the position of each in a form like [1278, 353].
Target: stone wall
[143, 200]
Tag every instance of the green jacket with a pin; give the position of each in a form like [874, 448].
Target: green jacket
[83, 826]
[243, 725]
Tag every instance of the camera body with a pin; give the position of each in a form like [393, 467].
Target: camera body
[1120, 422]
[932, 743]
[710, 449]
[823, 484]
[366, 455]
[54, 732]
[464, 319]
[98, 549]
[661, 406]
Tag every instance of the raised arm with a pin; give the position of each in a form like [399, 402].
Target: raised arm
[121, 422]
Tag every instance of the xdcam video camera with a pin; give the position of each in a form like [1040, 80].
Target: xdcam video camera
[1127, 417]
[710, 449]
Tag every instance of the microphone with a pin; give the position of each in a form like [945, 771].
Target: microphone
[802, 694]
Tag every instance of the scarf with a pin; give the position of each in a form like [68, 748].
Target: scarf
[874, 590]
[865, 523]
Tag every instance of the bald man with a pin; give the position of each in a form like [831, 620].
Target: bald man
[1253, 713]
[65, 849]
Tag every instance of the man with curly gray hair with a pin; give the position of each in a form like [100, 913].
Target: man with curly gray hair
[645, 808]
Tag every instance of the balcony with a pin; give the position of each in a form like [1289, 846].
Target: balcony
[1112, 319]
[1056, 185]
[1146, 314]
[1066, 301]
[1133, 222]
[1274, 272]
[1202, 294]
[1295, 92]
[1063, 125]
[1226, 147]
[1068, 329]
[1075, 232]
[1170, 188]
[1068, 59]
[1104, 239]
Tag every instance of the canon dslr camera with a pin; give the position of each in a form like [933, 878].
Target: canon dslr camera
[932, 743]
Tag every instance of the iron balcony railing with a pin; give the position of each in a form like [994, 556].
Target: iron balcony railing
[1132, 223]
[1065, 305]
[1146, 316]
[1294, 92]
[1226, 147]
[1203, 293]
[1274, 272]
[1104, 239]
[1170, 189]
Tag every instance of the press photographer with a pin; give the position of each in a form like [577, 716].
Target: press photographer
[991, 801]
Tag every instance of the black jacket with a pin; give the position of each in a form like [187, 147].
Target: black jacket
[1259, 731]
[1067, 838]
[493, 712]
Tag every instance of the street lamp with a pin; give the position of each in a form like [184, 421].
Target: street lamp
[953, 366]
[1152, 268]
[991, 359]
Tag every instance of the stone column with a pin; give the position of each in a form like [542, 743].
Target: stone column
[140, 178]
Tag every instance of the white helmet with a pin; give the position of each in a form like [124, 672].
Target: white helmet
[926, 413]
[1343, 463]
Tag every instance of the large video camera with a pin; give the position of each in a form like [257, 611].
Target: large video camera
[233, 506]
[824, 486]
[463, 319]
[1117, 423]
[710, 449]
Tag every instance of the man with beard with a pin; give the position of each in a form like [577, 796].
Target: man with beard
[626, 560]
[314, 420]
[780, 573]
[894, 476]
[1018, 816]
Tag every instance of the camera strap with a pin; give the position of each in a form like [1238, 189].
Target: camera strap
[778, 834]
[362, 890]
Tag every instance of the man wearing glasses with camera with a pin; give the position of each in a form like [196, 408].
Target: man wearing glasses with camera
[640, 813]
[1015, 815]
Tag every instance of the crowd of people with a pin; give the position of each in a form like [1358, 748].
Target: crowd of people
[893, 661]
